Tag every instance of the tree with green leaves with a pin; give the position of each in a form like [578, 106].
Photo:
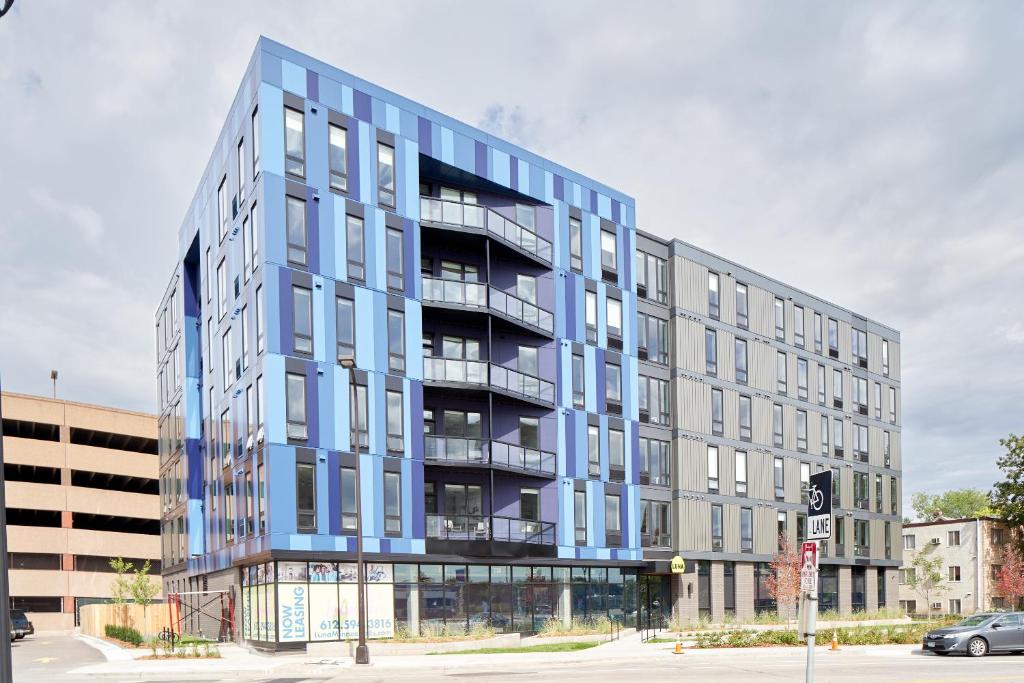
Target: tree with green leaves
[142, 589]
[955, 504]
[1008, 494]
[121, 587]
[925, 576]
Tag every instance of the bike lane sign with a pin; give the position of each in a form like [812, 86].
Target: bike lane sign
[819, 507]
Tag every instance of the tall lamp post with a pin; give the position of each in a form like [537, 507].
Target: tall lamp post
[362, 652]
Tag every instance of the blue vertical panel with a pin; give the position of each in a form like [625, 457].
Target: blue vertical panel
[321, 334]
[342, 392]
[604, 206]
[409, 125]
[391, 119]
[566, 522]
[377, 412]
[562, 453]
[376, 256]
[329, 92]
[631, 530]
[604, 447]
[367, 164]
[327, 236]
[273, 398]
[523, 179]
[270, 69]
[413, 335]
[549, 188]
[293, 78]
[632, 408]
[447, 146]
[499, 167]
[465, 153]
[366, 348]
[315, 126]
[411, 186]
[628, 323]
[590, 378]
[591, 246]
[281, 496]
[602, 315]
[346, 101]
[324, 511]
[340, 243]
[595, 513]
[325, 406]
[577, 196]
[271, 132]
[372, 493]
[407, 421]
[408, 498]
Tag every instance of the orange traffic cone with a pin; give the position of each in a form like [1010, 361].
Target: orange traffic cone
[835, 642]
[678, 649]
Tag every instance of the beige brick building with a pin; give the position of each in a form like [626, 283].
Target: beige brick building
[82, 487]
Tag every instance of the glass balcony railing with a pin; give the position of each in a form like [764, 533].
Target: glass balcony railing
[470, 294]
[483, 528]
[482, 373]
[453, 449]
[520, 458]
[482, 218]
[523, 311]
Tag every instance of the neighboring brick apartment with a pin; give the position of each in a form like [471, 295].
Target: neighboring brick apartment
[972, 556]
[81, 488]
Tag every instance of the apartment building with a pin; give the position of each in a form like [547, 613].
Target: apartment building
[528, 385]
[81, 487]
[971, 552]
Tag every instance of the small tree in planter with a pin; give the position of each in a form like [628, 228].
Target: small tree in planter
[783, 583]
[143, 590]
[121, 588]
[1010, 579]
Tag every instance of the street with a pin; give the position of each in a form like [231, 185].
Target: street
[44, 659]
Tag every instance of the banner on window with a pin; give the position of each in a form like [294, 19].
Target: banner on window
[293, 612]
[380, 611]
[323, 612]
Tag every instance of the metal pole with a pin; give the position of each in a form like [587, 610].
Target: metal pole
[6, 673]
[811, 605]
[362, 653]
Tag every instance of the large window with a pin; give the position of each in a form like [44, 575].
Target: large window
[254, 247]
[655, 463]
[893, 496]
[575, 244]
[302, 319]
[394, 258]
[295, 218]
[356, 254]
[860, 442]
[746, 530]
[396, 341]
[580, 516]
[653, 400]
[780, 372]
[385, 175]
[613, 386]
[801, 431]
[616, 454]
[837, 388]
[860, 395]
[837, 436]
[222, 288]
[824, 434]
[345, 323]
[742, 319]
[578, 396]
[833, 338]
[717, 426]
[223, 212]
[777, 433]
[591, 315]
[393, 503]
[780, 319]
[817, 333]
[798, 326]
[337, 157]
[892, 405]
[256, 142]
[885, 357]
[652, 338]
[805, 484]
[741, 473]
[613, 518]
[859, 347]
[878, 401]
[745, 418]
[710, 351]
[305, 497]
[359, 418]
[716, 527]
[614, 315]
[801, 378]
[655, 529]
[741, 361]
[227, 361]
[713, 469]
[651, 277]
[348, 500]
[294, 142]
[295, 398]
[609, 252]
[395, 421]
[713, 296]
[779, 478]
[861, 493]
[593, 451]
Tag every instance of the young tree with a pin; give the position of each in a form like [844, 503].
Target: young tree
[1008, 495]
[1010, 580]
[121, 586]
[142, 589]
[783, 583]
[926, 579]
[955, 504]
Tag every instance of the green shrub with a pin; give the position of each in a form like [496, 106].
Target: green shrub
[126, 634]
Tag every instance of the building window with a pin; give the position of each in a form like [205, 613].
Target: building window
[337, 148]
[259, 320]
[651, 277]
[717, 427]
[305, 497]
[780, 319]
[878, 401]
[892, 405]
[817, 333]
[613, 309]
[716, 528]
[860, 442]
[222, 207]
[824, 435]
[254, 241]
[878, 493]
[395, 421]
[356, 255]
[798, 326]
[801, 431]
[396, 341]
[394, 259]
[345, 323]
[860, 491]
[613, 386]
[833, 338]
[909, 542]
[240, 156]
[227, 363]
[616, 455]
[780, 527]
[713, 307]
[998, 537]
[821, 384]
[348, 500]
[653, 400]
[255, 142]
[361, 428]
[861, 539]
[295, 389]
[745, 418]
[859, 347]
[741, 473]
[953, 538]
[652, 338]
[860, 395]
[713, 469]
[612, 519]
[742, 319]
[837, 388]
[393, 503]
[609, 253]
[593, 451]
[655, 465]
[837, 436]
[577, 381]
[302, 319]
[801, 378]
[246, 240]
[295, 218]
[294, 142]
[710, 351]
[741, 361]
[954, 605]
[580, 516]
[885, 357]
[655, 530]
[576, 247]
[245, 338]
[385, 175]
[893, 496]
[777, 433]
[222, 289]
[954, 575]
[746, 530]
[591, 316]
[779, 478]
[780, 372]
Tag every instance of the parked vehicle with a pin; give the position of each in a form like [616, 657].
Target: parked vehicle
[978, 635]
[14, 634]
[22, 626]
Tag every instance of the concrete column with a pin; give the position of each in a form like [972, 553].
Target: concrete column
[414, 610]
[892, 588]
[845, 590]
[717, 592]
[684, 597]
[744, 591]
[871, 589]
[565, 604]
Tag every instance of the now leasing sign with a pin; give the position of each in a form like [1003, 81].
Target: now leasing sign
[819, 507]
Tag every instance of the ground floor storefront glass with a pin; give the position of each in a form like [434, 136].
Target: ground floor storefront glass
[317, 601]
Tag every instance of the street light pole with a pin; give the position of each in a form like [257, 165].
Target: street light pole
[362, 652]
[6, 672]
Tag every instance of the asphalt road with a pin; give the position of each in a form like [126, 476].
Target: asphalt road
[39, 658]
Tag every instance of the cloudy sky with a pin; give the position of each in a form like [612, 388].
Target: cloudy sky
[870, 153]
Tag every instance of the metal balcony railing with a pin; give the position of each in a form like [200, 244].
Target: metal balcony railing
[457, 292]
[453, 449]
[521, 310]
[516, 382]
[475, 295]
[483, 528]
[487, 220]
[455, 370]
[482, 373]
[520, 458]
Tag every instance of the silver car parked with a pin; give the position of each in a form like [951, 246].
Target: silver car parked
[979, 634]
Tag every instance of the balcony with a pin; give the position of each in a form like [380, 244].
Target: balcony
[484, 528]
[484, 375]
[459, 451]
[480, 219]
[479, 296]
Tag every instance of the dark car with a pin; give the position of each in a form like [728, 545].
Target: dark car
[22, 626]
[978, 635]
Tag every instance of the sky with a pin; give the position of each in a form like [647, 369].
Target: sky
[870, 153]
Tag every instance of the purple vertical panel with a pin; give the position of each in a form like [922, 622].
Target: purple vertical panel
[334, 491]
[352, 157]
[570, 443]
[513, 171]
[602, 406]
[569, 308]
[635, 453]
[419, 521]
[385, 545]
[559, 188]
[312, 231]
[480, 160]
[616, 212]
[284, 297]
[424, 134]
[416, 408]
[362, 106]
[409, 273]
[549, 501]
[593, 201]
[312, 86]
[312, 405]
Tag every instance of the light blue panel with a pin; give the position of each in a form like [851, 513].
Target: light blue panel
[595, 512]
[376, 258]
[549, 187]
[300, 542]
[580, 425]
[629, 239]
[321, 542]
[523, 176]
[342, 391]
[447, 146]
[604, 447]
[409, 125]
[628, 322]
[591, 246]
[435, 139]
[325, 405]
[371, 545]
[560, 284]
[346, 100]
[367, 164]
[633, 406]
[293, 78]
[401, 545]
[340, 244]
[193, 417]
[632, 529]
[273, 398]
[500, 167]
[418, 546]
[465, 153]
[413, 333]
[561, 260]
[590, 375]
[375, 405]
[412, 182]
[561, 453]
[602, 315]
[320, 335]
[281, 496]
[577, 196]
[391, 118]
[604, 206]
[406, 428]
[603, 554]
[330, 92]
[380, 331]
[270, 69]
[328, 234]
[369, 474]
[628, 428]
[316, 148]
[537, 181]
[364, 324]
[588, 553]
[579, 299]
[271, 137]
[565, 378]
[323, 501]
[627, 215]
[566, 553]
[195, 522]
[407, 509]
[566, 510]
[272, 309]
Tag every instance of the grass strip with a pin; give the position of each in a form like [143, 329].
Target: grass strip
[545, 647]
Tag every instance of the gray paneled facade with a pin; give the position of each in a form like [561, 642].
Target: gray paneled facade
[770, 384]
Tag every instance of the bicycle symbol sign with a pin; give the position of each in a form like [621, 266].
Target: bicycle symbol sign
[819, 507]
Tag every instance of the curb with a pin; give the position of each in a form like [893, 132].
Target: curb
[112, 652]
